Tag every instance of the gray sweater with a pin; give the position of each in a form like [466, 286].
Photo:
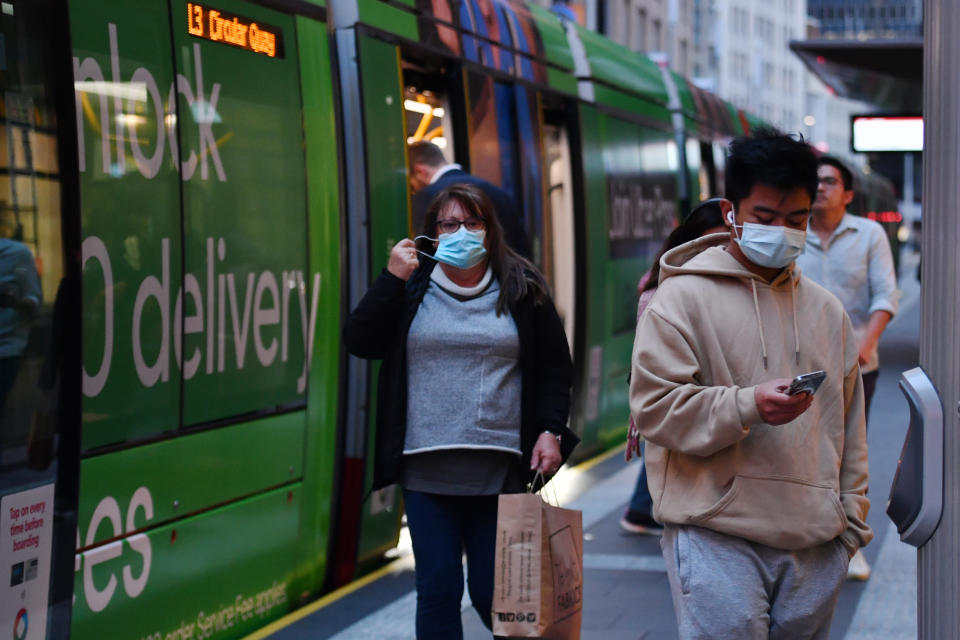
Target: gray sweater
[463, 374]
[463, 394]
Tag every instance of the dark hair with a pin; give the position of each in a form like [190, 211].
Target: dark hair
[517, 275]
[845, 174]
[704, 216]
[424, 152]
[772, 159]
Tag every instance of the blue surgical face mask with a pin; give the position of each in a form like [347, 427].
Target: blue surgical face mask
[771, 246]
[462, 249]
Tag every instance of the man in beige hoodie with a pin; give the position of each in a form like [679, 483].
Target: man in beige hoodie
[763, 494]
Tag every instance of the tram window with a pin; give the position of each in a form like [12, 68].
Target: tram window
[242, 210]
[31, 248]
[130, 208]
[427, 115]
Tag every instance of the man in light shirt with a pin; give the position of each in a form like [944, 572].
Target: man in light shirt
[850, 256]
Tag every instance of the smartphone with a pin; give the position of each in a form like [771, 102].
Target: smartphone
[808, 382]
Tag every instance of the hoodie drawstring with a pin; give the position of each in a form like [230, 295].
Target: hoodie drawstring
[796, 330]
[756, 308]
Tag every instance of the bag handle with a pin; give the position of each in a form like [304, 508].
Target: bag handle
[543, 494]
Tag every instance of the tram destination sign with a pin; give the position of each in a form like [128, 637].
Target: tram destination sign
[228, 28]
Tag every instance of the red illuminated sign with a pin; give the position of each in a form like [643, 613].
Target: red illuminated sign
[227, 28]
[885, 216]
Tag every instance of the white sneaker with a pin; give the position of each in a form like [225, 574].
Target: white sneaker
[859, 568]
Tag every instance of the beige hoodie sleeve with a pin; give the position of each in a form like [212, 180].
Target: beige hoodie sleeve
[854, 474]
[671, 408]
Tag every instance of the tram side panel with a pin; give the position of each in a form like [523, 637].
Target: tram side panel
[630, 183]
[202, 304]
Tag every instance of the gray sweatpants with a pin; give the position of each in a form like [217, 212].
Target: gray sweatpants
[728, 588]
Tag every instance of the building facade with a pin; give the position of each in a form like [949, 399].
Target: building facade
[744, 56]
[867, 19]
[663, 29]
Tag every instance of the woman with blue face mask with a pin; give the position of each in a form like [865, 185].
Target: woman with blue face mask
[473, 394]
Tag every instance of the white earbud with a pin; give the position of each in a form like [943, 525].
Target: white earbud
[730, 217]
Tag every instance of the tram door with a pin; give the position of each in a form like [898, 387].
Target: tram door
[39, 322]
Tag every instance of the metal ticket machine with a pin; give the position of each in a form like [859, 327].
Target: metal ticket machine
[916, 495]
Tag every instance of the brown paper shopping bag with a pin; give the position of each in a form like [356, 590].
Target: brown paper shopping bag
[538, 573]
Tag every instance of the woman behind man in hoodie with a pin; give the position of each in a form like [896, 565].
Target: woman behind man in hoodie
[763, 494]
[705, 219]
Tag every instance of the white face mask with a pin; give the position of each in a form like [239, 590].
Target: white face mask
[770, 246]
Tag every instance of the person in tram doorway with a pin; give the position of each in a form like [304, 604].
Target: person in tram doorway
[851, 257]
[762, 493]
[473, 395]
[705, 219]
[430, 174]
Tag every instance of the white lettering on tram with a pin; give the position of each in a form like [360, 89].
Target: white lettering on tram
[254, 303]
[143, 88]
[160, 291]
[94, 249]
[108, 510]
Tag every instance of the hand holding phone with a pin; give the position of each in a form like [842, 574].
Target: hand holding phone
[776, 406]
[807, 382]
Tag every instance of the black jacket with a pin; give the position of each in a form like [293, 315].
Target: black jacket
[513, 231]
[378, 327]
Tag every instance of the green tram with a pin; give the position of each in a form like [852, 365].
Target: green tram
[212, 195]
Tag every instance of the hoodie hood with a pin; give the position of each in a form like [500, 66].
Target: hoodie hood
[708, 256]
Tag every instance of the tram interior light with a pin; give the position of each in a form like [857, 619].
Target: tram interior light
[419, 107]
[874, 133]
[136, 91]
[423, 107]
[131, 119]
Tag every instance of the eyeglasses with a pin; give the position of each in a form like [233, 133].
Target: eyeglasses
[452, 226]
[830, 182]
